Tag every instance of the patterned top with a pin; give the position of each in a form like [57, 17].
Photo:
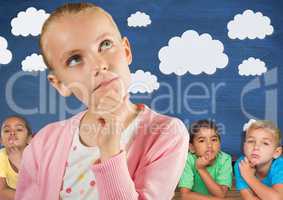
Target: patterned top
[79, 179]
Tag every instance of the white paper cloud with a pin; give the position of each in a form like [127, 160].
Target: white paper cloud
[5, 54]
[251, 67]
[139, 19]
[248, 124]
[29, 22]
[33, 63]
[143, 82]
[249, 25]
[192, 53]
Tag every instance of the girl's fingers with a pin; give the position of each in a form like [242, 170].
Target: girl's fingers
[251, 164]
[107, 106]
[208, 156]
[112, 99]
[113, 94]
[248, 162]
[110, 95]
[204, 159]
[113, 106]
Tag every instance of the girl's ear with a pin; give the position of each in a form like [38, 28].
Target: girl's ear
[59, 86]
[277, 152]
[191, 148]
[127, 48]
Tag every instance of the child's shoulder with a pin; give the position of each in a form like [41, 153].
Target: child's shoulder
[279, 159]
[242, 157]
[222, 157]
[55, 129]
[191, 158]
[3, 153]
[161, 130]
[155, 117]
[276, 168]
[277, 163]
[162, 121]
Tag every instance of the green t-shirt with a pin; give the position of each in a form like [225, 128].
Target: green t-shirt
[221, 172]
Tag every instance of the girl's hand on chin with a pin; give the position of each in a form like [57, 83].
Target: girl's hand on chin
[246, 169]
[112, 111]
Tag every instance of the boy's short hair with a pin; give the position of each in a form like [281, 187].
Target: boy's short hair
[195, 127]
[26, 123]
[268, 126]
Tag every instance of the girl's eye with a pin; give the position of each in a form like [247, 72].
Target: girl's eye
[201, 141]
[6, 131]
[19, 130]
[266, 144]
[214, 140]
[73, 60]
[250, 141]
[106, 44]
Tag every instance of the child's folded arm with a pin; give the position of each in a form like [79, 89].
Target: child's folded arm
[214, 188]
[265, 192]
[248, 195]
[187, 194]
[6, 193]
[279, 189]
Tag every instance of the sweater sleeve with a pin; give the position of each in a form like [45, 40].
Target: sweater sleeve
[157, 179]
[27, 187]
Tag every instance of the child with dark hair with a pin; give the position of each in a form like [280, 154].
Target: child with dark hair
[208, 170]
[15, 136]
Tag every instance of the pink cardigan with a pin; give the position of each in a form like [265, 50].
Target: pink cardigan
[151, 169]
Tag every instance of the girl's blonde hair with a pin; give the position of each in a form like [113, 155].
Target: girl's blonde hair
[268, 126]
[70, 9]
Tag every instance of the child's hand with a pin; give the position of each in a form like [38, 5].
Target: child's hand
[108, 97]
[112, 125]
[203, 161]
[247, 169]
[112, 111]
[15, 156]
